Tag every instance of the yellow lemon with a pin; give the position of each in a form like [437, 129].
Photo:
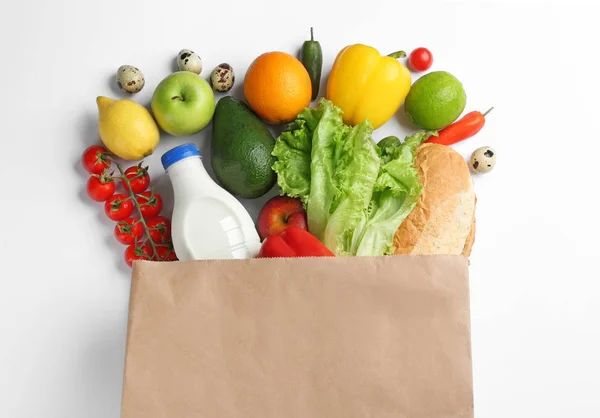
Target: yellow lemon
[126, 128]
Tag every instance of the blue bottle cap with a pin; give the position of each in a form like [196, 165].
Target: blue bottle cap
[179, 153]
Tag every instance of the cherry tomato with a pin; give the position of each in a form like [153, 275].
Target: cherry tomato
[165, 253]
[100, 188]
[420, 59]
[160, 229]
[129, 231]
[137, 252]
[118, 207]
[150, 203]
[138, 178]
[95, 159]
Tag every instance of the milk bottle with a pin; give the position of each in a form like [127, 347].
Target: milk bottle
[207, 221]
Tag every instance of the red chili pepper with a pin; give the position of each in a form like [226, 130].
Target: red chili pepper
[293, 242]
[462, 129]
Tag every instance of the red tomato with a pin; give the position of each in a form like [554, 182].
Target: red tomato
[129, 231]
[137, 252]
[150, 204]
[95, 159]
[420, 59]
[160, 229]
[100, 188]
[138, 178]
[118, 207]
[165, 253]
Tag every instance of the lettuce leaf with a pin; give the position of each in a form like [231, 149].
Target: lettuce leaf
[356, 176]
[292, 150]
[396, 193]
[329, 134]
[356, 192]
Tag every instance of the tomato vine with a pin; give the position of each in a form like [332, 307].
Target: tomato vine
[155, 241]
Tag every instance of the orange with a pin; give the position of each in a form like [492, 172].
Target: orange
[277, 87]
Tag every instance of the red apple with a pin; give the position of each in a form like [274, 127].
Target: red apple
[279, 213]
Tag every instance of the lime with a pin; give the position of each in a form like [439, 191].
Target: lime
[435, 100]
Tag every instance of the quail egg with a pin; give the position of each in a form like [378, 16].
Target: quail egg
[483, 160]
[130, 79]
[222, 78]
[188, 60]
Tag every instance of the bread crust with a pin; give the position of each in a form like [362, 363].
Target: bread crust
[443, 221]
[471, 237]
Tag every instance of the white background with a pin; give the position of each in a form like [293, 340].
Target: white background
[535, 283]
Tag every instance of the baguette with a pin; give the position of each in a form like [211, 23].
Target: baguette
[443, 220]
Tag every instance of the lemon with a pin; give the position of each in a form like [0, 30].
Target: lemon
[126, 128]
[435, 100]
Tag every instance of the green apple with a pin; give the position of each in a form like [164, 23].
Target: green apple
[183, 103]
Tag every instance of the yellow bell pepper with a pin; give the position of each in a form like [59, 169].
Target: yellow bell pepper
[365, 84]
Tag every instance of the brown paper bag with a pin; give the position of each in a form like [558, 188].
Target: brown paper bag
[300, 338]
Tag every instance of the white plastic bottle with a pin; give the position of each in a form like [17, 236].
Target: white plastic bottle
[207, 221]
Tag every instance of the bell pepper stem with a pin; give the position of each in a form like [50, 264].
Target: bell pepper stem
[311, 34]
[488, 111]
[397, 54]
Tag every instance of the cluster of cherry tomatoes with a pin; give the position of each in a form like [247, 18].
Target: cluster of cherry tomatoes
[136, 210]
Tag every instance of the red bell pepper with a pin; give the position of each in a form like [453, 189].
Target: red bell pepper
[293, 242]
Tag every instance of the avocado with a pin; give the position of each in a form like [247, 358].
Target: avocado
[241, 148]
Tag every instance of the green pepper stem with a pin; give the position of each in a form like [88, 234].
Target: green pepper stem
[488, 111]
[397, 54]
[311, 34]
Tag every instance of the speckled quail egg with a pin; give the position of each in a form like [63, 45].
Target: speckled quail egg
[188, 60]
[222, 78]
[483, 160]
[130, 79]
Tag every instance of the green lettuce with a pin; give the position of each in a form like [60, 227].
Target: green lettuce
[395, 194]
[356, 192]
